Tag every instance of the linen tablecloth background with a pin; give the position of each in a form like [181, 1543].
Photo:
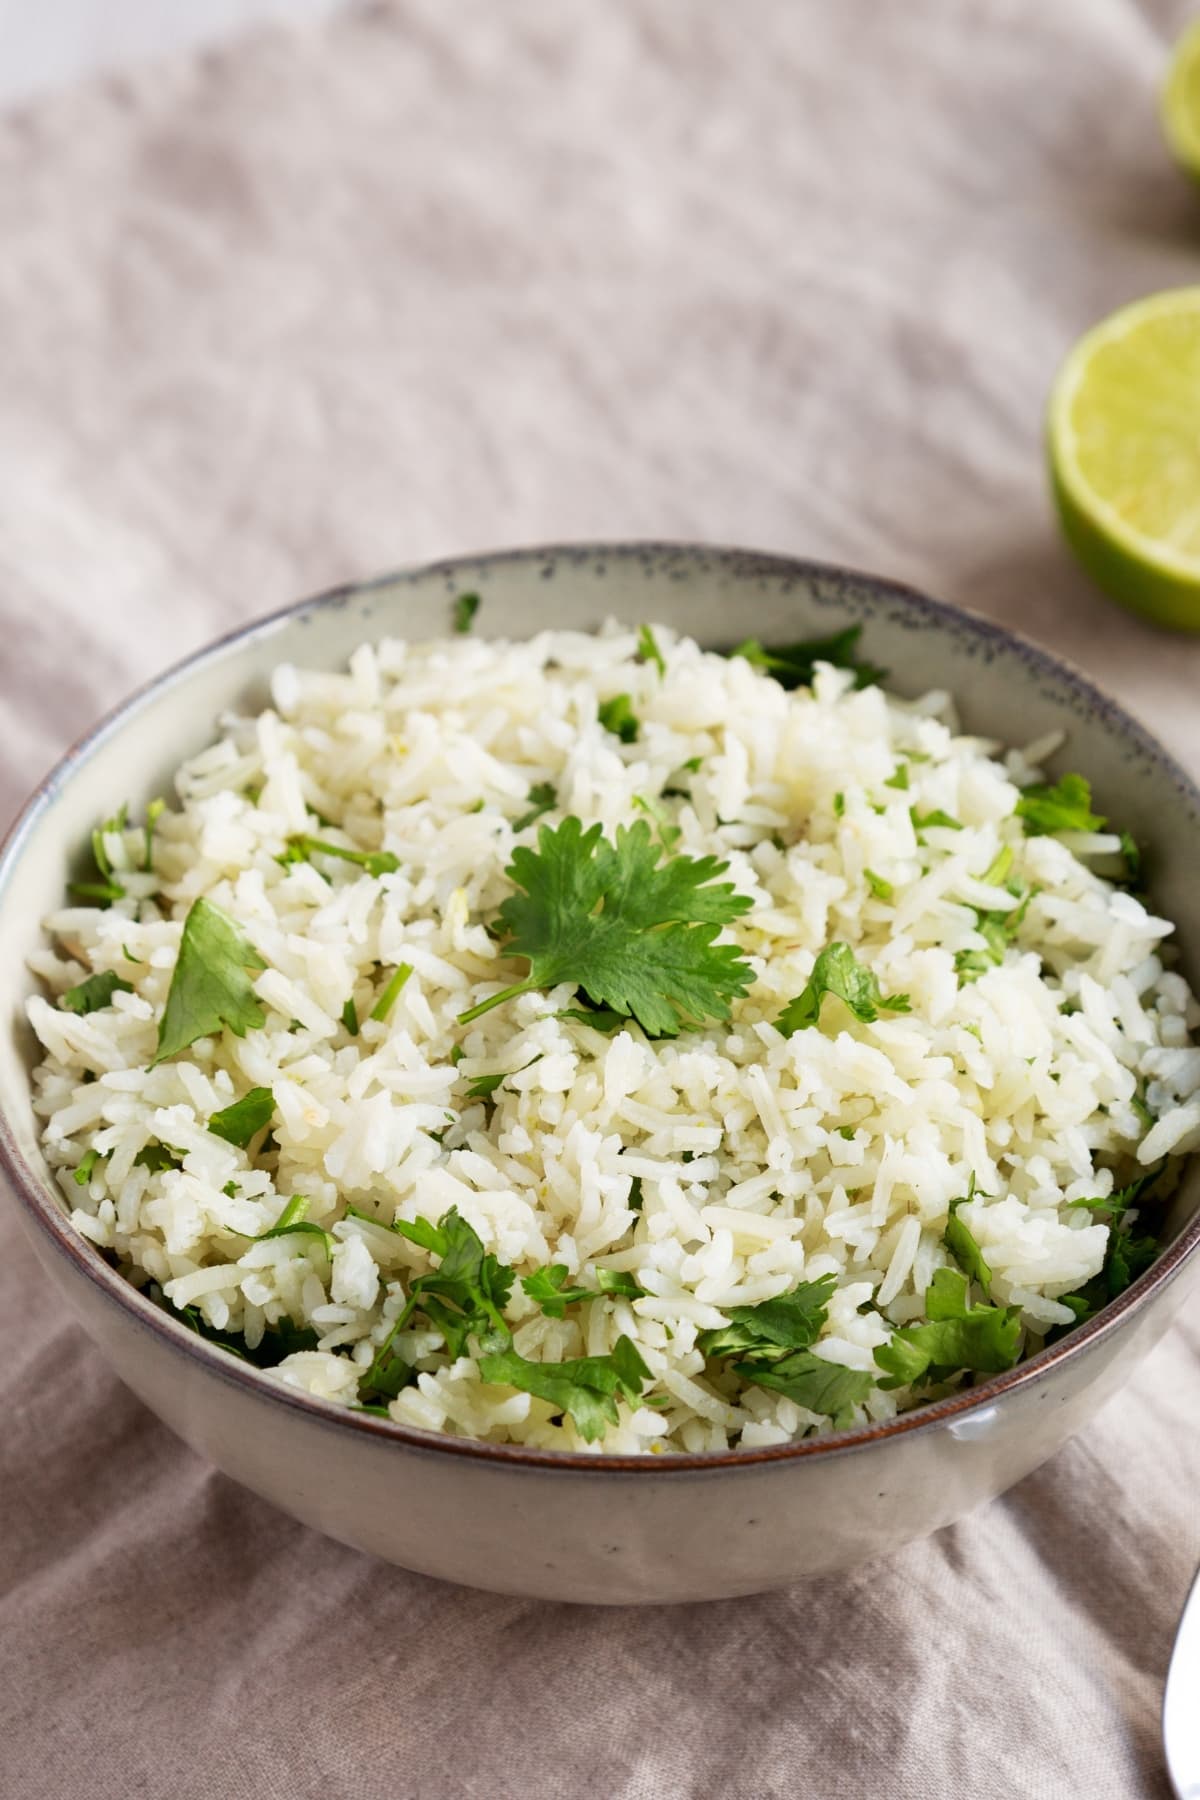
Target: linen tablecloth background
[441, 278]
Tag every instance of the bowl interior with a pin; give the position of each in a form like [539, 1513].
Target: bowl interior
[1005, 688]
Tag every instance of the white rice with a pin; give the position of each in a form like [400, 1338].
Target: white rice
[763, 1160]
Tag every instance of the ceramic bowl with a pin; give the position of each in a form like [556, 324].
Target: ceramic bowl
[584, 1527]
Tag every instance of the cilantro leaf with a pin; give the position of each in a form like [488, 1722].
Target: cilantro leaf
[484, 1086]
[1067, 806]
[238, 1123]
[543, 798]
[600, 1018]
[209, 987]
[812, 1382]
[465, 1295]
[635, 932]
[648, 650]
[158, 1158]
[882, 890]
[998, 930]
[617, 715]
[837, 971]
[961, 1243]
[899, 779]
[585, 1388]
[548, 1287]
[795, 665]
[790, 1321]
[350, 1017]
[465, 608]
[375, 862]
[984, 1339]
[1122, 1199]
[94, 993]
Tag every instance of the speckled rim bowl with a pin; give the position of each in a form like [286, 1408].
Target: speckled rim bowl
[1006, 687]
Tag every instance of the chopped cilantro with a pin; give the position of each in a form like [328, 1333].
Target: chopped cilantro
[543, 798]
[484, 1086]
[585, 1388]
[105, 888]
[648, 650]
[998, 930]
[997, 870]
[600, 1018]
[292, 1222]
[882, 890]
[158, 1158]
[984, 1339]
[548, 1287]
[375, 862]
[617, 715]
[812, 1382]
[456, 1055]
[960, 1242]
[791, 1321]
[464, 1296]
[795, 665]
[465, 608]
[925, 821]
[238, 1123]
[636, 1197]
[230, 1189]
[899, 779]
[635, 933]
[1138, 1103]
[1067, 806]
[391, 993]
[83, 1174]
[1122, 1199]
[839, 804]
[673, 791]
[94, 993]
[209, 987]
[350, 1017]
[282, 1339]
[837, 971]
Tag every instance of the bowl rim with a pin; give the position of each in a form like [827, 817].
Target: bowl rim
[46, 1213]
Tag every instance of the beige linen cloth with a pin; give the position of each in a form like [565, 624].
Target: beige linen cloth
[441, 277]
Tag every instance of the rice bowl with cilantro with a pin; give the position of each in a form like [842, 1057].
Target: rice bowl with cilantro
[595, 1042]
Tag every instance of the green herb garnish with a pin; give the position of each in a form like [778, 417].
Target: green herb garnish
[882, 890]
[209, 986]
[350, 1017]
[158, 1158]
[292, 1222]
[960, 1242]
[812, 1382]
[837, 971]
[791, 1321]
[617, 715]
[105, 888]
[466, 1295]
[669, 833]
[899, 779]
[154, 812]
[543, 798]
[238, 1123]
[984, 1339]
[548, 1287]
[585, 1388]
[375, 862]
[94, 993]
[1067, 806]
[795, 665]
[648, 650]
[391, 993]
[634, 932]
[924, 821]
[465, 608]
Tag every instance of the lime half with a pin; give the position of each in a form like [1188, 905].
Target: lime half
[1124, 442]
[1181, 101]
